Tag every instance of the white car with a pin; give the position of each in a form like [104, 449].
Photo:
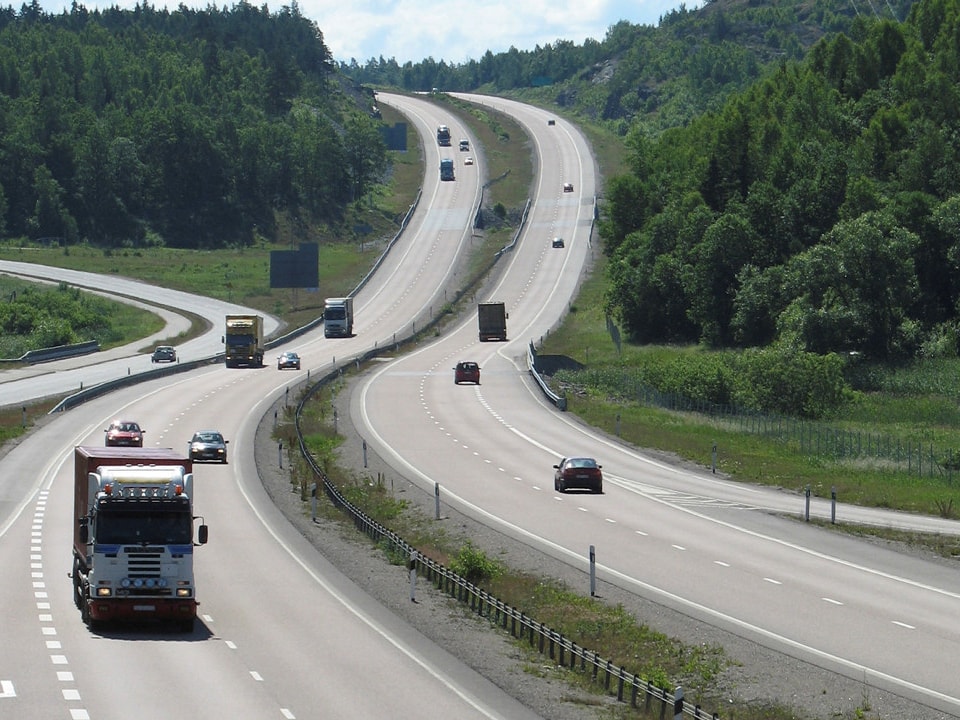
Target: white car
[468, 160]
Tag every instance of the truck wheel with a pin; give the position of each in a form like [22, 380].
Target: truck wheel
[77, 587]
[85, 612]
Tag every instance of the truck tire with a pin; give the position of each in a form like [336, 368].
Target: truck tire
[77, 586]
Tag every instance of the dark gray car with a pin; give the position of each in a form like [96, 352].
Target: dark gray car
[208, 445]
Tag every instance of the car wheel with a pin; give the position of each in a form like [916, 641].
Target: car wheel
[563, 486]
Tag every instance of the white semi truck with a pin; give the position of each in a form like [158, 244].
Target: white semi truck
[133, 536]
[338, 317]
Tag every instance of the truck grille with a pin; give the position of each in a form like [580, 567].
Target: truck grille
[143, 563]
[144, 566]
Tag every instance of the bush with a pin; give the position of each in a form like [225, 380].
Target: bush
[473, 565]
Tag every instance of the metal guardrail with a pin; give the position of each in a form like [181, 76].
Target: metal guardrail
[32, 357]
[558, 400]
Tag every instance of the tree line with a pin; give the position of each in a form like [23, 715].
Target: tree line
[192, 128]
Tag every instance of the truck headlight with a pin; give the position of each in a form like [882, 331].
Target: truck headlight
[104, 592]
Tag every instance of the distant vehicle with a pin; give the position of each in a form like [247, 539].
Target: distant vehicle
[492, 321]
[568, 187]
[289, 360]
[208, 445]
[558, 242]
[466, 372]
[551, 121]
[338, 317]
[124, 433]
[468, 160]
[443, 136]
[243, 341]
[446, 169]
[464, 144]
[578, 472]
[164, 353]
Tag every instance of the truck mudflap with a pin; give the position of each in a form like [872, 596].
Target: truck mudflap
[131, 610]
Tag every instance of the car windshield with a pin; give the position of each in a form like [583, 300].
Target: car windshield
[581, 463]
[207, 437]
[127, 427]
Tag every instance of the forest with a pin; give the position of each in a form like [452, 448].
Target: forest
[818, 210]
[193, 128]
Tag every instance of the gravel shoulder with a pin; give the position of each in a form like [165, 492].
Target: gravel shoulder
[758, 676]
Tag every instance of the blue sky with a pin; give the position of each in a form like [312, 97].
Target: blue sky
[451, 30]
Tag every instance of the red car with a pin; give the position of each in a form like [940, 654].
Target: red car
[124, 433]
[466, 372]
[578, 472]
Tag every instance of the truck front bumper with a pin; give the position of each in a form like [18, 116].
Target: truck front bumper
[142, 608]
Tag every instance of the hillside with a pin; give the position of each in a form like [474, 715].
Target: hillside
[652, 76]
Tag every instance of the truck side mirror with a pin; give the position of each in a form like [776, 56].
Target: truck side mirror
[202, 534]
[84, 533]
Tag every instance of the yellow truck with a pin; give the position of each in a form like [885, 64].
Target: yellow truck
[243, 341]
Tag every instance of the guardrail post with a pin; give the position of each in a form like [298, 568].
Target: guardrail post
[364, 453]
[436, 501]
[280, 454]
[412, 564]
[593, 571]
[806, 508]
[833, 505]
[678, 703]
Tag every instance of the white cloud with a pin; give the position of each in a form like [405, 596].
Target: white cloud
[454, 30]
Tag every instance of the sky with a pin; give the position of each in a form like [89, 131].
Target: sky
[451, 30]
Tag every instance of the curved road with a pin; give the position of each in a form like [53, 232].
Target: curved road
[687, 539]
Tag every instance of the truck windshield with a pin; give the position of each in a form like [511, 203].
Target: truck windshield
[161, 527]
[242, 340]
[334, 313]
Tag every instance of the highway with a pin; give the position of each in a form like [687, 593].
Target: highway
[690, 540]
[276, 617]
[282, 633]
